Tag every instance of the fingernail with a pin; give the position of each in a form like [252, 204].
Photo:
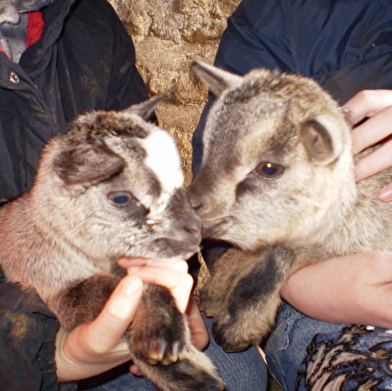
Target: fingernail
[134, 269]
[385, 195]
[131, 285]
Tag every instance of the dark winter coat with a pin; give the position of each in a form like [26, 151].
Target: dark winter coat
[84, 60]
[346, 45]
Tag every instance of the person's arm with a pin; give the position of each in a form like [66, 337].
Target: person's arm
[93, 348]
[126, 86]
[355, 288]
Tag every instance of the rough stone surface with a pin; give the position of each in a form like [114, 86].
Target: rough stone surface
[168, 35]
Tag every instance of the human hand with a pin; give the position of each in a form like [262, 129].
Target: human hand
[93, 348]
[96, 347]
[376, 105]
[173, 275]
[353, 289]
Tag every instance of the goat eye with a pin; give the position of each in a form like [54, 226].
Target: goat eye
[269, 170]
[120, 199]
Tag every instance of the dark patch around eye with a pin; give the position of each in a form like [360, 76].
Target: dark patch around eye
[244, 187]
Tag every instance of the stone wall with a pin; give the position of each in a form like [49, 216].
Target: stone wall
[168, 35]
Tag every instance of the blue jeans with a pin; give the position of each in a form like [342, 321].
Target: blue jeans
[244, 371]
[305, 354]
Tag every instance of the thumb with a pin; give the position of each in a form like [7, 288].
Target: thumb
[110, 325]
[95, 347]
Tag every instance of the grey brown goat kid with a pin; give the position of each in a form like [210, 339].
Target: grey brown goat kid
[277, 182]
[111, 186]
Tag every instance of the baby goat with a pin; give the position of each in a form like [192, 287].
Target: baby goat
[277, 182]
[110, 187]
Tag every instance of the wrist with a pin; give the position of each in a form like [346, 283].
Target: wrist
[75, 360]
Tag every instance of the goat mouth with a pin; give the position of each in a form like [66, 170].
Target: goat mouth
[217, 229]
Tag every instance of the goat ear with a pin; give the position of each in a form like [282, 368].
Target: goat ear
[323, 138]
[217, 79]
[146, 108]
[86, 164]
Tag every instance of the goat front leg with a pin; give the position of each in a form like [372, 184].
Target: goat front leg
[159, 340]
[252, 298]
[225, 273]
[83, 301]
[158, 337]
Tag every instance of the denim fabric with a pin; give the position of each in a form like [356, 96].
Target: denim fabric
[303, 354]
[244, 371]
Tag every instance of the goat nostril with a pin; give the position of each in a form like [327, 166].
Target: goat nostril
[193, 231]
[199, 203]
[195, 201]
[193, 228]
[198, 206]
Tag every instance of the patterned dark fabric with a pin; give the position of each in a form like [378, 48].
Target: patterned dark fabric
[359, 358]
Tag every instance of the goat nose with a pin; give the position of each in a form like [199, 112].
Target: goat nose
[193, 227]
[197, 202]
[193, 199]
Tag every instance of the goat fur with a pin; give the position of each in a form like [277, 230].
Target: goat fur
[110, 187]
[277, 182]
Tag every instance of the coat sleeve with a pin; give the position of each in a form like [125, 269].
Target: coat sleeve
[345, 45]
[126, 84]
[27, 342]
[256, 36]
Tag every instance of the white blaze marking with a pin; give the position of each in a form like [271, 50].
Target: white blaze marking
[164, 160]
